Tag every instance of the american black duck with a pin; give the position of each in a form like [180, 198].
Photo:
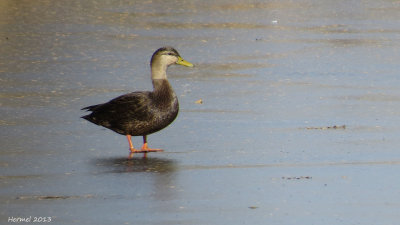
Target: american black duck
[142, 113]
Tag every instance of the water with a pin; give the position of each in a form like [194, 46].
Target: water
[274, 77]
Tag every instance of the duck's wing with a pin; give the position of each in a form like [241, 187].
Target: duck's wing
[125, 107]
[91, 108]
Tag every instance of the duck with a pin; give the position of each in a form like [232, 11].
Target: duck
[141, 113]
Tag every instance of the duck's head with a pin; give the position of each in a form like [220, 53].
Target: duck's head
[164, 57]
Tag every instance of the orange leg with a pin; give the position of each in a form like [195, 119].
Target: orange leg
[133, 149]
[146, 148]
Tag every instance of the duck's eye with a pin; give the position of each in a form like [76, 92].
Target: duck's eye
[170, 53]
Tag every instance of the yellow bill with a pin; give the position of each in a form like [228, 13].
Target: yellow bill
[183, 62]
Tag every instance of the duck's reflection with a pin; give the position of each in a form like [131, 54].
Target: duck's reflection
[137, 172]
[126, 165]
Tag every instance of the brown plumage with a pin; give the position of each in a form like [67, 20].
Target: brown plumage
[142, 113]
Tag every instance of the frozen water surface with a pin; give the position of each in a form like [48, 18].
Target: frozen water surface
[299, 122]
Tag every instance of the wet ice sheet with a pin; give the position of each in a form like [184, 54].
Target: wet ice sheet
[266, 71]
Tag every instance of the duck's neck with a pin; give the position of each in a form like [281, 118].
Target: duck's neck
[162, 89]
[158, 70]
